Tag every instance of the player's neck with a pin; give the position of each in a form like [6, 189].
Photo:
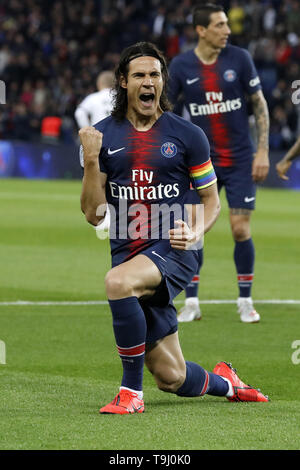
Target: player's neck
[206, 53]
[143, 123]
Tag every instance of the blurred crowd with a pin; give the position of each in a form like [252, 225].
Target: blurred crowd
[51, 52]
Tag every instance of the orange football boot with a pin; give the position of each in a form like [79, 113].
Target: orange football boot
[242, 392]
[126, 402]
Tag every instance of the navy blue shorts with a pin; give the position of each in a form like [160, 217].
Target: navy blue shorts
[177, 268]
[239, 186]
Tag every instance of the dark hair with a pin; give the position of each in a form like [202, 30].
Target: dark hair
[201, 13]
[139, 49]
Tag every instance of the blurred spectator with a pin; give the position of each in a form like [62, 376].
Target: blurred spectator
[269, 18]
[159, 21]
[236, 18]
[254, 12]
[283, 52]
[51, 128]
[98, 105]
[51, 52]
[40, 94]
[293, 16]
[20, 122]
[4, 57]
[27, 94]
[281, 135]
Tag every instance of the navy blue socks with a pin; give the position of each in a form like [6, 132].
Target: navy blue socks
[198, 382]
[244, 256]
[217, 385]
[191, 289]
[130, 328]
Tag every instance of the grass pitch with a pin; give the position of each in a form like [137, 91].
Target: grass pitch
[61, 360]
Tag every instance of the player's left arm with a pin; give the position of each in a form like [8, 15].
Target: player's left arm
[185, 236]
[261, 164]
[94, 180]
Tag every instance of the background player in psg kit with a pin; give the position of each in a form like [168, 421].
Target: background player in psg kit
[146, 155]
[214, 80]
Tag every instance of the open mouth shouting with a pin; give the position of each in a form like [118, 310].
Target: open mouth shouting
[147, 99]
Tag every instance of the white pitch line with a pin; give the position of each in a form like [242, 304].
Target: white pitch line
[104, 302]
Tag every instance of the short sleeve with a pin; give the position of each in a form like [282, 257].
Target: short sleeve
[249, 75]
[101, 163]
[200, 166]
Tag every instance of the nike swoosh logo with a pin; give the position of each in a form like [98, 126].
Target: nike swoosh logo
[154, 253]
[193, 80]
[249, 199]
[137, 408]
[111, 152]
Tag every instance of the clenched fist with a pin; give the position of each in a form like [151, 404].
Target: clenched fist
[91, 141]
[182, 237]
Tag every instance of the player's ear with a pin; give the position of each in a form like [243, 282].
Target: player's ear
[200, 30]
[123, 81]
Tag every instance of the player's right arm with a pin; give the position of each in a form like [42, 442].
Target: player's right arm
[94, 181]
[284, 164]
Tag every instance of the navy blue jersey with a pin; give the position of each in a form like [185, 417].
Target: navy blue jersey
[215, 97]
[147, 168]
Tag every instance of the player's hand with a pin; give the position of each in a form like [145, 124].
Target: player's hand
[260, 166]
[91, 141]
[282, 167]
[182, 237]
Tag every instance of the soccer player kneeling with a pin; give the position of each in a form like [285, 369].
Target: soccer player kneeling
[141, 157]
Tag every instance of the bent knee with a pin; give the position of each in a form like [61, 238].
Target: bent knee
[117, 286]
[170, 381]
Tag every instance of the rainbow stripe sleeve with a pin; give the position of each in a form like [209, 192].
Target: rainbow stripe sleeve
[203, 175]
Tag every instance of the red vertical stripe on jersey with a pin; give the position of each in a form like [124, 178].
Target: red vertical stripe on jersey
[142, 146]
[219, 131]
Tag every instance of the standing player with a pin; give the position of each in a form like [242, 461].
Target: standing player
[98, 105]
[141, 157]
[214, 80]
[284, 164]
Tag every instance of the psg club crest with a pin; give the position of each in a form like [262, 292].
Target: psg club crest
[168, 149]
[229, 75]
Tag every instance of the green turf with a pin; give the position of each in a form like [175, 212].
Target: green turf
[61, 361]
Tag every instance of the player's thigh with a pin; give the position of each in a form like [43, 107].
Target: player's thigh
[165, 361]
[240, 194]
[240, 187]
[137, 277]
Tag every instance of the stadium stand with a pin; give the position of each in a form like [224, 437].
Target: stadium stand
[52, 51]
